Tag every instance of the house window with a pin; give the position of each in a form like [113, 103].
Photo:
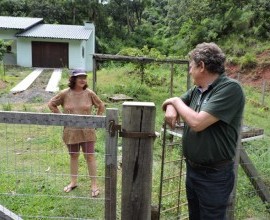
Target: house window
[82, 52]
[8, 49]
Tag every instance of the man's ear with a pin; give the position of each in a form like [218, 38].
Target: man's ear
[202, 65]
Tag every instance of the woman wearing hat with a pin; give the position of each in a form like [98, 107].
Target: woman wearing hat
[78, 99]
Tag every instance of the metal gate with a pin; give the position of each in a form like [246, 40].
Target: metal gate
[172, 195]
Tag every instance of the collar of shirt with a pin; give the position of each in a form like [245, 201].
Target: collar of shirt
[212, 85]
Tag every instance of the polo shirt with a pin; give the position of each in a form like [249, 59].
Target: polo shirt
[225, 100]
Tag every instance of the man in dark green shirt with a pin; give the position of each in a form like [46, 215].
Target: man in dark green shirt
[212, 111]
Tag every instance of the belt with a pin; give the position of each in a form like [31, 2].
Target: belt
[215, 165]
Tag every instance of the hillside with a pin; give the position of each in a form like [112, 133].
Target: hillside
[254, 76]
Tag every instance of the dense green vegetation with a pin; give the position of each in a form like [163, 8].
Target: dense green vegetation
[172, 27]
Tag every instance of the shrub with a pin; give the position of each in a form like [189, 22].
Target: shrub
[140, 92]
[248, 61]
[131, 52]
[154, 78]
[7, 107]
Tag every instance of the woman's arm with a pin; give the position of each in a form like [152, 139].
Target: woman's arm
[56, 101]
[100, 108]
[53, 107]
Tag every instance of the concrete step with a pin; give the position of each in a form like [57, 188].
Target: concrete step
[52, 85]
[27, 81]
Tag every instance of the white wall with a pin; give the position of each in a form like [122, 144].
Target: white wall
[90, 48]
[76, 60]
[24, 52]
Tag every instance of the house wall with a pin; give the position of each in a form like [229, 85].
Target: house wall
[8, 34]
[24, 52]
[77, 60]
[90, 47]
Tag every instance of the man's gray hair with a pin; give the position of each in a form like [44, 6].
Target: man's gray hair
[211, 55]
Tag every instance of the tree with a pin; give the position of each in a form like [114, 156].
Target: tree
[13, 8]
[51, 10]
[3, 49]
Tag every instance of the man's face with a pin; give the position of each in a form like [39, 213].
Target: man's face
[194, 71]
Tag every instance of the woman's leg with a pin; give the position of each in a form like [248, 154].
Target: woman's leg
[89, 155]
[74, 152]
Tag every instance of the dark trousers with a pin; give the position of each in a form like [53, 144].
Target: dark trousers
[208, 191]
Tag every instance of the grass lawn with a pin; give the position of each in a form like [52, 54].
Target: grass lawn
[34, 162]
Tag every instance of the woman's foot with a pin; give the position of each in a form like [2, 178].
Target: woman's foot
[95, 192]
[69, 188]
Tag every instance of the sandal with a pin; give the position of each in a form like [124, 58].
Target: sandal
[69, 188]
[95, 192]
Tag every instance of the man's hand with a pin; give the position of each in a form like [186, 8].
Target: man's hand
[171, 116]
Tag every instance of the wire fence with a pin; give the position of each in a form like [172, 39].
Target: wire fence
[253, 185]
[34, 168]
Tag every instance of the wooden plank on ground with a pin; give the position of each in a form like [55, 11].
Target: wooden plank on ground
[6, 214]
[120, 97]
[27, 81]
[54, 81]
[247, 133]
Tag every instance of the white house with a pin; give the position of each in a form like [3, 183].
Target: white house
[35, 44]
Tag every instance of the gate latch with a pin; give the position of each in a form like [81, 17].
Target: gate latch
[128, 134]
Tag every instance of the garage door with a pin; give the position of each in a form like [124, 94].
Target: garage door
[49, 54]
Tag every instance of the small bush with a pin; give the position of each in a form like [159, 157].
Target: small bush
[131, 52]
[138, 91]
[248, 61]
[154, 79]
[37, 99]
[7, 107]
[233, 60]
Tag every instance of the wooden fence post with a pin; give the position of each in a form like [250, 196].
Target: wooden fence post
[263, 91]
[94, 74]
[230, 212]
[111, 165]
[138, 129]
[171, 83]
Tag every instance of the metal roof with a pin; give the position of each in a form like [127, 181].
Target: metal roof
[73, 32]
[21, 23]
